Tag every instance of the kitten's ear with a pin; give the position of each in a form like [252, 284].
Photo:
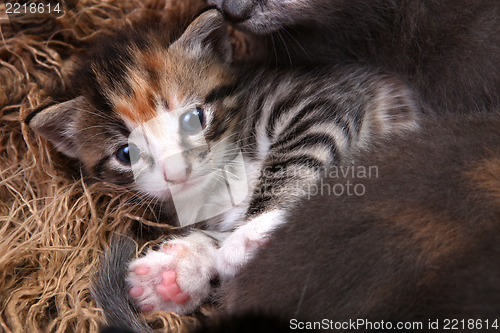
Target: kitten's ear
[56, 123]
[208, 32]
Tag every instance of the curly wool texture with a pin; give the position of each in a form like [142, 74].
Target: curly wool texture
[53, 225]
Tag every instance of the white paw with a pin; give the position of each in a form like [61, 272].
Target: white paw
[174, 279]
[241, 245]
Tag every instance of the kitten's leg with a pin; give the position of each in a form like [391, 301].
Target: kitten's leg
[175, 278]
[240, 246]
[267, 211]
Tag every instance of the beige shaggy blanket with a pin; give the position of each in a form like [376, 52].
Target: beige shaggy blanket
[53, 225]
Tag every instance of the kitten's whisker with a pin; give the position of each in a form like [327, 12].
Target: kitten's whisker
[105, 126]
[109, 141]
[274, 48]
[286, 47]
[232, 174]
[290, 35]
[223, 140]
[100, 115]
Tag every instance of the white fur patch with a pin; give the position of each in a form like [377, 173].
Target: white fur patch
[199, 262]
[194, 267]
[240, 246]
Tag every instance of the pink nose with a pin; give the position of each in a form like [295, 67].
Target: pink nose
[176, 174]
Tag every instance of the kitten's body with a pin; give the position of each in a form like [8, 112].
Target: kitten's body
[448, 49]
[422, 242]
[141, 90]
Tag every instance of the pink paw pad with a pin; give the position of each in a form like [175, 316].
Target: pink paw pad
[142, 270]
[146, 308]
[169, 290]
[136, 292]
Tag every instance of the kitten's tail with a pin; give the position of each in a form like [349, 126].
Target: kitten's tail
[110, 291]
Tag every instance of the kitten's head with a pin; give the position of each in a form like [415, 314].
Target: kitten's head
[265, 16]
[150, 114]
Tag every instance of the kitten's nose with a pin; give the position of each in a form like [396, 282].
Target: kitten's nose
[237, 10]
[176, 173]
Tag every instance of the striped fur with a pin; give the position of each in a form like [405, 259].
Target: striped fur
[289, 126]
[280, 119]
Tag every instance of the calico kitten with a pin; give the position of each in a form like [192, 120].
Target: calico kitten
[422, 243]
[174, 121]
[448, 49]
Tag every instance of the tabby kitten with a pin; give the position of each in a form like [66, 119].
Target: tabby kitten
[174, 121]
[448, 49]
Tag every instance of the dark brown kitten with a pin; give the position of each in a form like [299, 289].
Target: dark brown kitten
[449, 49]
[421, 243]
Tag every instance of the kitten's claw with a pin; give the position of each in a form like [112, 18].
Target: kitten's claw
[174, 279]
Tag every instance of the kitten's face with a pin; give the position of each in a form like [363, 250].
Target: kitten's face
[265, 16]
[147, 114]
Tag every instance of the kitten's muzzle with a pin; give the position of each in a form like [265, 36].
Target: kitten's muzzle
[237, 11]
[176, 175]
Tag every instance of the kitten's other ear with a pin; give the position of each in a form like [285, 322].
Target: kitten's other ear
[57, 124]
[208, 32]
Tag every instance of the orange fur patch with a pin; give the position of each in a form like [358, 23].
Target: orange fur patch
[140, 107]
[436, 236]
[486, 176]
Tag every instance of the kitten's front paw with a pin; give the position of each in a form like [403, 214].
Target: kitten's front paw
[242, 244]
[174, 279]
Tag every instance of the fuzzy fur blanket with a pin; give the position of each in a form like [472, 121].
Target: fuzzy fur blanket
[53, 225]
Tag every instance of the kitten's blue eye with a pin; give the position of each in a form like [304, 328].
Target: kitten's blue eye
[191, 122]
[128, 154]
